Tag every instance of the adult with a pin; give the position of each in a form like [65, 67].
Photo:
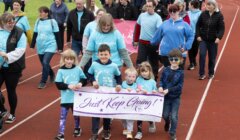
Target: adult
[21, 20]
[90, 5]
[210, 30]
[46, 36]
[161, 10]
[174, 33]
[182, 10]
[138, 5]
[77, 20]
[147, 23]
[194, 14]
[106, 33]
[13, 43]
[111, 7]
[59, 12]
[23, 5]
[201, 1]
[7, 5]
[126, 11]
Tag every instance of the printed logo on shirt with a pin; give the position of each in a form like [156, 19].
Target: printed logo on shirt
[180, 27]
[13, 40]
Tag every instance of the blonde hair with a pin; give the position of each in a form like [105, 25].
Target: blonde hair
[131, 70]
[106, 19]
[7, 17]
[69, 53]
[145, 66]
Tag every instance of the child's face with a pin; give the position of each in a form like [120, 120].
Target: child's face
[104, 56]
[145, 74]
[68, 62]
[174, 61]
[131, 77]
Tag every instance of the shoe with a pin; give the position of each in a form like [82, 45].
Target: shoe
[11, 118]
[191, 67]
[152, 127]
[4, 114]
[77, 132]
[129, 136]
[41, 85]
[138, 136]
[106, 135]
[52, 78]
[173, 137]
[167, 126]
[125, 132]
[210, 76]
[59, 137]
[94, 137]
[202, 77]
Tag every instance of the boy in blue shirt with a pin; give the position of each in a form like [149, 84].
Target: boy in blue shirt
[103, 72]
[171, 84]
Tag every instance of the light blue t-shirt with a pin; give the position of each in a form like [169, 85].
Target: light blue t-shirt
[90, 28]
[148, 85]
[22, 43]
[46, 41]
[23, 23]
[104, 74]
[69, 76]
[125, 85]
[149, 24]
[113, 39]
[79, 13]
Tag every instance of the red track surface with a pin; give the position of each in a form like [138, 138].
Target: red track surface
[218, 118]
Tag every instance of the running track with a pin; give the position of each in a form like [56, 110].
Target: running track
[209, 108]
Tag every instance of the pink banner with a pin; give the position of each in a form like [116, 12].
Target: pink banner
[126, 27]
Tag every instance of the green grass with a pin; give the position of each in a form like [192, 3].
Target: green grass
[31, 8]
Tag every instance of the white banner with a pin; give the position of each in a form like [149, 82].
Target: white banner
[106, 103]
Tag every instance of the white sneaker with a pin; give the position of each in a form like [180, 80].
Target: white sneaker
[125, 132]
[152, 127]
[10, 119]
[138, 135]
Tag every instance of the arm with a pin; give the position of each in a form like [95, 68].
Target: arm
[56, 34]
[125, 56]
[221, 27]
[35, 34]
[136, 33]
[61, 86]
[69, 29]
[155, 41]
[86, 57]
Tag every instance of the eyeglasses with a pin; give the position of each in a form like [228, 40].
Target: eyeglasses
[172, 10]
[176, 59]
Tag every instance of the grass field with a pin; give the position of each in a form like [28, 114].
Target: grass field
[31, 8]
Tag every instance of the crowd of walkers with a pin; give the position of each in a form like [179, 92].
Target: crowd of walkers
[166, 32]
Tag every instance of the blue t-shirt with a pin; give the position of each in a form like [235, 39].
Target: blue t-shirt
[23, 23]
[90, 28]
[115, 41]
[46, 41]
[69, 76]
[148, 85]
[126, 86]
[104, 74]
[79, 13]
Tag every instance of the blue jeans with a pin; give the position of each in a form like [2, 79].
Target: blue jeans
[46, 68]
[212, 48]
[170, 113]
[77, 46]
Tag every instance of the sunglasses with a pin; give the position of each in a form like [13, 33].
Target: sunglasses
[176, 59]
[172, 10]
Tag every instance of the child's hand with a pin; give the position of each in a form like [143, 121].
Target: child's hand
[118, 88]
[78, 86]
[129, 89]
[154, 91]
[95, 85]
[160, 89]
[72, 87]
[165, 92]
[138, 90]
[144, 91]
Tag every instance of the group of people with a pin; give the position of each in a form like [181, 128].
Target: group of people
[163, 32]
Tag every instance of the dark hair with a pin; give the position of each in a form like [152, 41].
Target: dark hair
[45, 9]
[153, 2]
[103, 48]
[17, 1]
[174, 7]
[175, 53]
[195, 4]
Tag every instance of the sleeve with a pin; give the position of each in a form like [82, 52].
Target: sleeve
[34, 38]
[19, 51]
[221, 27]
[61, 86]
[199, 25]
[69, 28]
[159, 22]
[57, 38]
[91, 73]
[187, 19]
[66, 12]
[136, 33]
[86, 57]
[155, 41]
[126, 58]
[118, 76]
[84, 43]
[177, 88]
[120, 41]
[189, 36]
[55, 25]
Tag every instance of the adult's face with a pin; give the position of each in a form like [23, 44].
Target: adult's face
[150, 8]
[9, 25]
[106, 27]
[43, 15]
[210, 7]
[174, 14]
[79, 4]
[123, 2]
[16, 7]
[58, 2]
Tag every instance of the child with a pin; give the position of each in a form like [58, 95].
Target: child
[146, 84]
[131, 85]
[69, 77]
[103, 72]
[171, 84]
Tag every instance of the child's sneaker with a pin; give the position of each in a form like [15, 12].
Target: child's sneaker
[106, 135]
[94, 137]
[125, 132]
[138, 135]
[129, 136]
[152, 127]
[59, 137]
[4, 114]
[41, 85]
[77, 132]
[173, 137]
[11, 118]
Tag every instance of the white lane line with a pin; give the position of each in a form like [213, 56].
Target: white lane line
[29, 117]
[190, 131]
[31, 55]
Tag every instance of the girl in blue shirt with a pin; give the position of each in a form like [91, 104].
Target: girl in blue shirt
[69, 77]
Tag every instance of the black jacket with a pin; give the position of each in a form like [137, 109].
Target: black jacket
[72, 24]
[210, 27]
[127, 12]
[112, 9]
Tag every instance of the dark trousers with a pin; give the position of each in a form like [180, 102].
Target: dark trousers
[61, 35]
[7, 5]
[11, 80]
[95, 125]
[211, 48]
[192, 53]
[46, 68]
[147, 52]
